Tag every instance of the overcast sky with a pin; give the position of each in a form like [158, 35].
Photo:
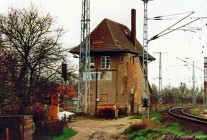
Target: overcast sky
[179, 44]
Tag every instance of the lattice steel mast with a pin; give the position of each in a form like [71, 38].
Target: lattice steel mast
[145, 92]
[145, 51]
[84, 60]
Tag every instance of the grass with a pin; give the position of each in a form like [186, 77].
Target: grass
[154, 129]
[136, 116]
[196, 111]
[67, 133]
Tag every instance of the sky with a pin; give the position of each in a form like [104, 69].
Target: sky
[175, 47]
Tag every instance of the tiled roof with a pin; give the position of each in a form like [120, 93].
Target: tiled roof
[110, 36]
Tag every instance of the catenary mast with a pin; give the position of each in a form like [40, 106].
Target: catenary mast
[145, 92]
[160, 77]
[205, 81]
[84, 60]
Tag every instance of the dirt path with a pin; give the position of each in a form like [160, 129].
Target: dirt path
[101, 129]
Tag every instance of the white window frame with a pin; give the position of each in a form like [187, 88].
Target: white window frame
[105, 62]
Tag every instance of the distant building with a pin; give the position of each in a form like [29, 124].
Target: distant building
[116, 56]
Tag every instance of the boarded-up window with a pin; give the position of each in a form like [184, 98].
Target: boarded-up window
[104, 98]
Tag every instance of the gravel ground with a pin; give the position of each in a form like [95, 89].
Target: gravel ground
[101, 129]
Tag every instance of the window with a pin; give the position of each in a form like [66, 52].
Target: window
[104, 98]
[121, 59]
[105, 62]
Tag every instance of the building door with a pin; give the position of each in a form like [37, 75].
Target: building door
[132, 102]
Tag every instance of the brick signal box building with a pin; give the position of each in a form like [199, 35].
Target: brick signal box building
[116, 58]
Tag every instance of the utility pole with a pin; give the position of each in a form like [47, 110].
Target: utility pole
[193, 83]
[145, 92]
[160, 77]
[205, 81]
[193, 89]
[193, 77]
[84, 60]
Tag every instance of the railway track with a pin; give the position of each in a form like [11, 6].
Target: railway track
[182, 113]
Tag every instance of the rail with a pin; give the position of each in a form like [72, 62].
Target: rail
[186, 116]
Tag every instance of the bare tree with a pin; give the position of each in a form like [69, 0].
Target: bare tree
[8, 63]
[35, 42]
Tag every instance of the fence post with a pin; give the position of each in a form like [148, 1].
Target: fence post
[7, 133]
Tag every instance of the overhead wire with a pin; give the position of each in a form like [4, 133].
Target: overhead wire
[174, 14]
[178, 28]
[176, 23]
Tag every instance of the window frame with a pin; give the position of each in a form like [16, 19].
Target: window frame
[105, 62]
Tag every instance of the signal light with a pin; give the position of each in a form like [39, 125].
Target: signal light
[64, 72]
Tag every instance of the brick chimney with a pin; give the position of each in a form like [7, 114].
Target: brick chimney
[133, 26]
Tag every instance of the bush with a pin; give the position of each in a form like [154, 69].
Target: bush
[49, 128]
[38, 112]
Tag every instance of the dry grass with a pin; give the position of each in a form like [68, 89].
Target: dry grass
[146, 123]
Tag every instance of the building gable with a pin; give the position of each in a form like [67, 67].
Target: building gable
[111, 36]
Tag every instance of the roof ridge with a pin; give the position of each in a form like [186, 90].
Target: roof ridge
[112, 35]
